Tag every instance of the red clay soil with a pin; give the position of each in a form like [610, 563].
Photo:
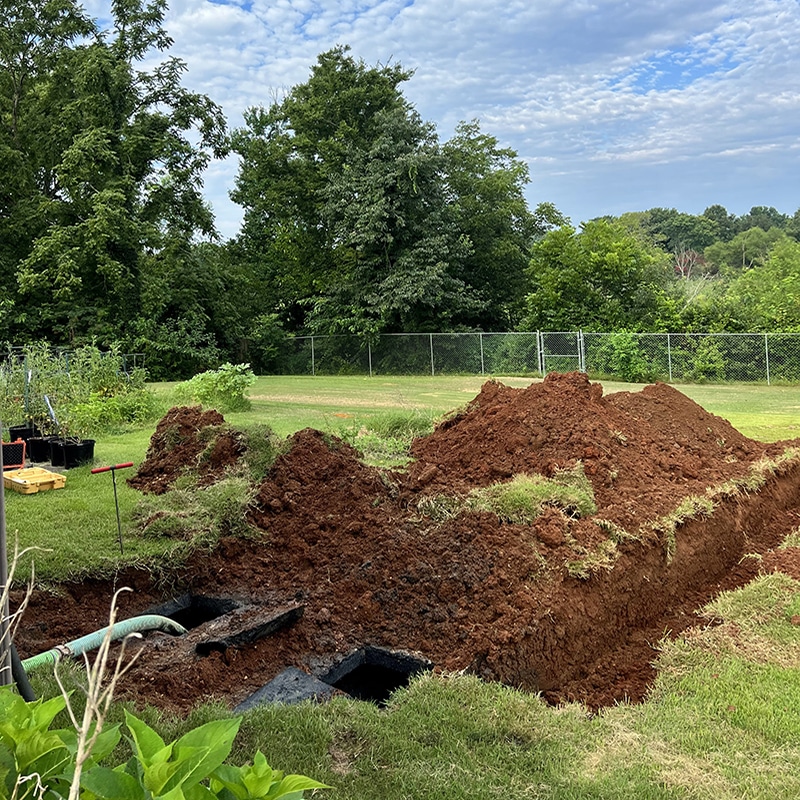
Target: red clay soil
[354, 547]
[187, 438]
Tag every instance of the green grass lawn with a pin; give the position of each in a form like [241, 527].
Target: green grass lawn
[721, 723]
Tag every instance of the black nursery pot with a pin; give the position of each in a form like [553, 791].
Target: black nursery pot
[69, 453]
[24, 432]
[39, 448]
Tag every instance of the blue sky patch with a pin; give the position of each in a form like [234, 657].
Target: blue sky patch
[677, 69]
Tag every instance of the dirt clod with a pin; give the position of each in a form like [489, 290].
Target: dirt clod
[187, 439]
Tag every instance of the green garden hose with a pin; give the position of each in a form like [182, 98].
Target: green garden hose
[92, 641]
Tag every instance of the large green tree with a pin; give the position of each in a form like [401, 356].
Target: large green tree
[289, 152]
[769, 295]
[487, 184]
[725, 223]
[601, 278]
[764, 217]
[107, 161]
[358, 220]
[746, 250]
[395, 245]
[675, 231]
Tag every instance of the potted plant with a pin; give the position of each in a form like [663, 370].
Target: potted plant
[71, 448]
[71, 451]
[39, 443]
[25, 431]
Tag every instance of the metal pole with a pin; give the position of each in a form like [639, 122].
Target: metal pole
[766, 353]
[669, 358]
[6, 677]
[113, 471]
[540, 352]
[480, 338]
[369, 356]
[27, 381]
[433, 372]
[313, 366]
[116, 505]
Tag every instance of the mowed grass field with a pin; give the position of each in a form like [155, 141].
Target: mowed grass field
[722, 721]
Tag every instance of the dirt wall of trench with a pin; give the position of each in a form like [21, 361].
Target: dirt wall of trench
[564, 648]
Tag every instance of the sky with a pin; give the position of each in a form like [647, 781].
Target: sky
[614, 106]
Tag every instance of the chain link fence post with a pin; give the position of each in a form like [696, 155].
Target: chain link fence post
[766, 355]
[669, 358]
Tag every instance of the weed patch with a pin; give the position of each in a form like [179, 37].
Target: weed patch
[522, 499]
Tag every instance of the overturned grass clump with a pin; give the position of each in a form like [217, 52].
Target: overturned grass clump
[522, 499]
[696, 506]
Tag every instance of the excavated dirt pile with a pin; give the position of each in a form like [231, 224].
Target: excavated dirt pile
[187, 438]
[357, 556]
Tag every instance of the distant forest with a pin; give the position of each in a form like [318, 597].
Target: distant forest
[357, 219]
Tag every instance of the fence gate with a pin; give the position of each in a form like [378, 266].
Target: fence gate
[561, 351]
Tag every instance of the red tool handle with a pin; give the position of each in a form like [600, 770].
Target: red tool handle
[116, 466]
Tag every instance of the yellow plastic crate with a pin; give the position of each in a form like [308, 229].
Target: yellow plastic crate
[32, 480]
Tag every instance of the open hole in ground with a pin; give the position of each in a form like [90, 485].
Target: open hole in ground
[193, 610]
[373, 673]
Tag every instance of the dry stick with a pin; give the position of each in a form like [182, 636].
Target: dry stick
[11, 621]
[98, 696]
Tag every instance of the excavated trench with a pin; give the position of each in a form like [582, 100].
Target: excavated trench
[362, 577]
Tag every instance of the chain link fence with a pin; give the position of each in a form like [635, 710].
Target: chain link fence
[630, 357]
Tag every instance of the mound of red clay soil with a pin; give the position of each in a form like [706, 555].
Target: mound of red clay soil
[565, 606]
[187, 438]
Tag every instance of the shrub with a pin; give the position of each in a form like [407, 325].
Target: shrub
[223, 388]
[709, 363]
[619, 355]
[103, 414]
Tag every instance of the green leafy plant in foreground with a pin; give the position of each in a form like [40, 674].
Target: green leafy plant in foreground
[38, 761]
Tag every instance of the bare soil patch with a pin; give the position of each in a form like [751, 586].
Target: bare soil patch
[354, 548]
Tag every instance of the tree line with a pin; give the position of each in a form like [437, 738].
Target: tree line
[356, 217]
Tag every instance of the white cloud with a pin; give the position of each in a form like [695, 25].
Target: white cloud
[615, 104]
